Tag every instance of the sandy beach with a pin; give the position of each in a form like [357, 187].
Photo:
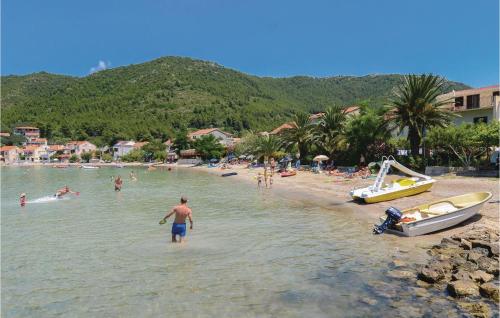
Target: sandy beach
[333, 193]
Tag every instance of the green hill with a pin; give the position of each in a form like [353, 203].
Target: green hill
[154, 99]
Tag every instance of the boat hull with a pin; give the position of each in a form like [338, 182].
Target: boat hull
[443, 221]
[398, 194]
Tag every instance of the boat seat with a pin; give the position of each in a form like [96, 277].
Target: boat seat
[442, 207]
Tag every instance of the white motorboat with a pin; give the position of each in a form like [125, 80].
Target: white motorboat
[438, 215]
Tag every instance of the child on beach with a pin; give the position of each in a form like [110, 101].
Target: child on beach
[271, 180]
[259, 180]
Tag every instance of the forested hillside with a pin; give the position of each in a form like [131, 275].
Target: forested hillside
[153, 99]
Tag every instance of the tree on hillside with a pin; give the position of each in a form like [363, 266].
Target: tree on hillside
[208, 147]
[329, 133]
[415, 106]
[299, 135]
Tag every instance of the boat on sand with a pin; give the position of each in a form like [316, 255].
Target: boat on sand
[288, 174]
[437, 215]
[378, 192]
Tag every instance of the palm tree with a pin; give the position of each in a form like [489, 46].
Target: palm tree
[415, 106]
[299, 134]
[267, 146]
[328, 135]
[366, 129]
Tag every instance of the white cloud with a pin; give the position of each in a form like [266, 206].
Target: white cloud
[101, 65]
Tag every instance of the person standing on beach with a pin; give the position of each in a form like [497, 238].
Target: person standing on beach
[265, 176]
[118, 183]
[182, 211]
[273, 166]
[259, 180]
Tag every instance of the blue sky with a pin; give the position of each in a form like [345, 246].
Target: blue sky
[457, 39]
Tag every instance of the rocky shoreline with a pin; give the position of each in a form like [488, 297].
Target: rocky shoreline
[463, 268]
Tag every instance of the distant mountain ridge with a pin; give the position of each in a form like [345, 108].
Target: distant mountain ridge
[153, 99]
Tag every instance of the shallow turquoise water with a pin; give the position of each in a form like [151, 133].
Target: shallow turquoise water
[251, 253]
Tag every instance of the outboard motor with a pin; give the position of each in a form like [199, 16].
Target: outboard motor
[393, 217]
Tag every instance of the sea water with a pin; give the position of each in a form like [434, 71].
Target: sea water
[252, 253]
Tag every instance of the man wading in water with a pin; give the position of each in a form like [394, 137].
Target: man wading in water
[181, 213]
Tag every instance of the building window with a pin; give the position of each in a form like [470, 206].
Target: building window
[497, 93]
[482, 119]
[459, 101]
[473, 101]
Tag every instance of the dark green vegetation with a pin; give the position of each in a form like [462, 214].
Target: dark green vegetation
[364, 137]
[154, 100]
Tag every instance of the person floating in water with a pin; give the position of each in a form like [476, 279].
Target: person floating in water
[22, 199]
[182, 211]
[63, 191]
[118, 183]
[132, 175]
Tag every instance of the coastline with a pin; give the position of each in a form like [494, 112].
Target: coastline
[332, 193]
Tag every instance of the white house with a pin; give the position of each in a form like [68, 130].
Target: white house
[9, 154]
[474, 105]
[226, 139]
[122, 147]
[79, 147]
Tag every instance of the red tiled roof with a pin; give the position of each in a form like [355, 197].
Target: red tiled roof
[56, 147]
[139, 145]
[38, 140]
[4, 134]
[8, 148]
[351, 109]
[280, 128]
[30, 148]
[206, 131]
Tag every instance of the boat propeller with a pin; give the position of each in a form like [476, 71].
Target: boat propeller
[393, 217]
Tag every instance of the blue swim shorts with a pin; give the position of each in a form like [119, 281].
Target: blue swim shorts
[179, 229]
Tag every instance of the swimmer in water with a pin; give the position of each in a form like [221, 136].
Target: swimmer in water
[22, 199]
[63, 191]
[118, 183]
[132, 176]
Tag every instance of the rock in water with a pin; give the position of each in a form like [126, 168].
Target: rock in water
[400, 274]
[461, 275]
[490, 290]
[481, 276]
[431, 274]
[489, 265]
[462, 288]
[477, 310]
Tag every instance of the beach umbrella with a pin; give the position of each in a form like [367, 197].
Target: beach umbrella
[320, 158]
[242, 157]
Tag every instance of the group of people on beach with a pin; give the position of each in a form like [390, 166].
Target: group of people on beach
[266, 177]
